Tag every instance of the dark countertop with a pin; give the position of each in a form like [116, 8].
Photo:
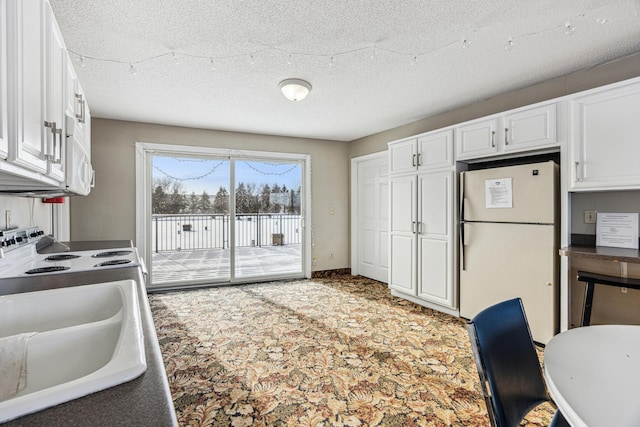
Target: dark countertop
[602, 253]
[143, 401]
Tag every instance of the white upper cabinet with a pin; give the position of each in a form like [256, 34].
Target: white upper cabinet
[4, 125]
[77, 110]
[435, 150]
[403, 156]
[477, 139]
[27, 99]
[521, 130]
[530, 129]
[55, 110]
[605, 138]
[38, 95]
[429, 151]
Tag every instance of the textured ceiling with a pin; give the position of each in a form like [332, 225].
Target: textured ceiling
[394, 61]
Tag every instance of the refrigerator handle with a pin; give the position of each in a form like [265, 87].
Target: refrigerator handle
[462, 245]
[462, 175]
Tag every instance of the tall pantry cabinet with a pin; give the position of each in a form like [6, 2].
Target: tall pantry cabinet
[422, 183]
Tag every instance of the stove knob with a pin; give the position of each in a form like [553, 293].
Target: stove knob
[18, 239]
[34, 234]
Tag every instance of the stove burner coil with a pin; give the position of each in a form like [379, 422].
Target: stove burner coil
[110, 254]
[61, 257]
[113, 262]
[47, 269]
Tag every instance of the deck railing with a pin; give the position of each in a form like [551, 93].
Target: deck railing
[192, 232]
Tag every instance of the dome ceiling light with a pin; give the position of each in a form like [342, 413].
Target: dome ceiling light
[295, 89]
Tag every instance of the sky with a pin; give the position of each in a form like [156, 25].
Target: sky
[198, 175]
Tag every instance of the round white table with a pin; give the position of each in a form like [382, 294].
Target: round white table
[593, 375]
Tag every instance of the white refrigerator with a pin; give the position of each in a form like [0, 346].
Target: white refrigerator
[509, 242]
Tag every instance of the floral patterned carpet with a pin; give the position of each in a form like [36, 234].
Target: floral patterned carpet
[339, 351]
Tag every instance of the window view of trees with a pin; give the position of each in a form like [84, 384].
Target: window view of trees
[170, 197]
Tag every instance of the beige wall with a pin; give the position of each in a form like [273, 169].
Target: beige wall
[109, 211]
[26, 212]
[615, 71]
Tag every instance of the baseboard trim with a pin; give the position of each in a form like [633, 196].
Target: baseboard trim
[330, 273]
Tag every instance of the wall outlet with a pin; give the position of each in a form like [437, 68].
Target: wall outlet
[589, 217]
[331, 255]
[623, 290]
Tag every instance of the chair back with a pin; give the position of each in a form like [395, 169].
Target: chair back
[508, 365]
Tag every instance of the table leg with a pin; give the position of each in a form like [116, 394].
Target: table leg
[588, 302]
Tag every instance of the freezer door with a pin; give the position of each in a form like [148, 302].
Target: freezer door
[504, 261]
[532, 197]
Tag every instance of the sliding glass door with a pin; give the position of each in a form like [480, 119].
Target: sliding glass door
[199, 232]
[190, 219]
[268, 224]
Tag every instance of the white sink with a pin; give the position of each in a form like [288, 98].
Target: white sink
[88, 338]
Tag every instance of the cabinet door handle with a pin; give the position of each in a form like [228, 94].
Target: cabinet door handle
[577, 166]
[51, 156]
[80, 100]
[419, 160]
[413, 161]
[506, 140]
[58, 159]
[493, 139]
[413, 227]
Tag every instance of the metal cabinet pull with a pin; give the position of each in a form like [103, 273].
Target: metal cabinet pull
[413, 161]
[493, 139]
[413, 227]
[419, 160]
[54, 131]
[80, 100]
[577, 165]
[506, 140]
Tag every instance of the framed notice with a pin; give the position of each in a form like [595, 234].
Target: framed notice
[618, 230]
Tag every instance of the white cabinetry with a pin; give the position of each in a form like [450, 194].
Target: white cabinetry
[4, 126]
[77, 110]
[27, 99]
[605, 138]
[525, 129]
[34, 67]
[429, 151]
[421, 220]
[55, 109]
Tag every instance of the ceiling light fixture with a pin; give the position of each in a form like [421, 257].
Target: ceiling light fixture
[295, 89]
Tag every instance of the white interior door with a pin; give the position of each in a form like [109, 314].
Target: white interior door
[371, 217]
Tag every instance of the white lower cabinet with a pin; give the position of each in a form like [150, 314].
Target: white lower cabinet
[605, 139]
[422, 216]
